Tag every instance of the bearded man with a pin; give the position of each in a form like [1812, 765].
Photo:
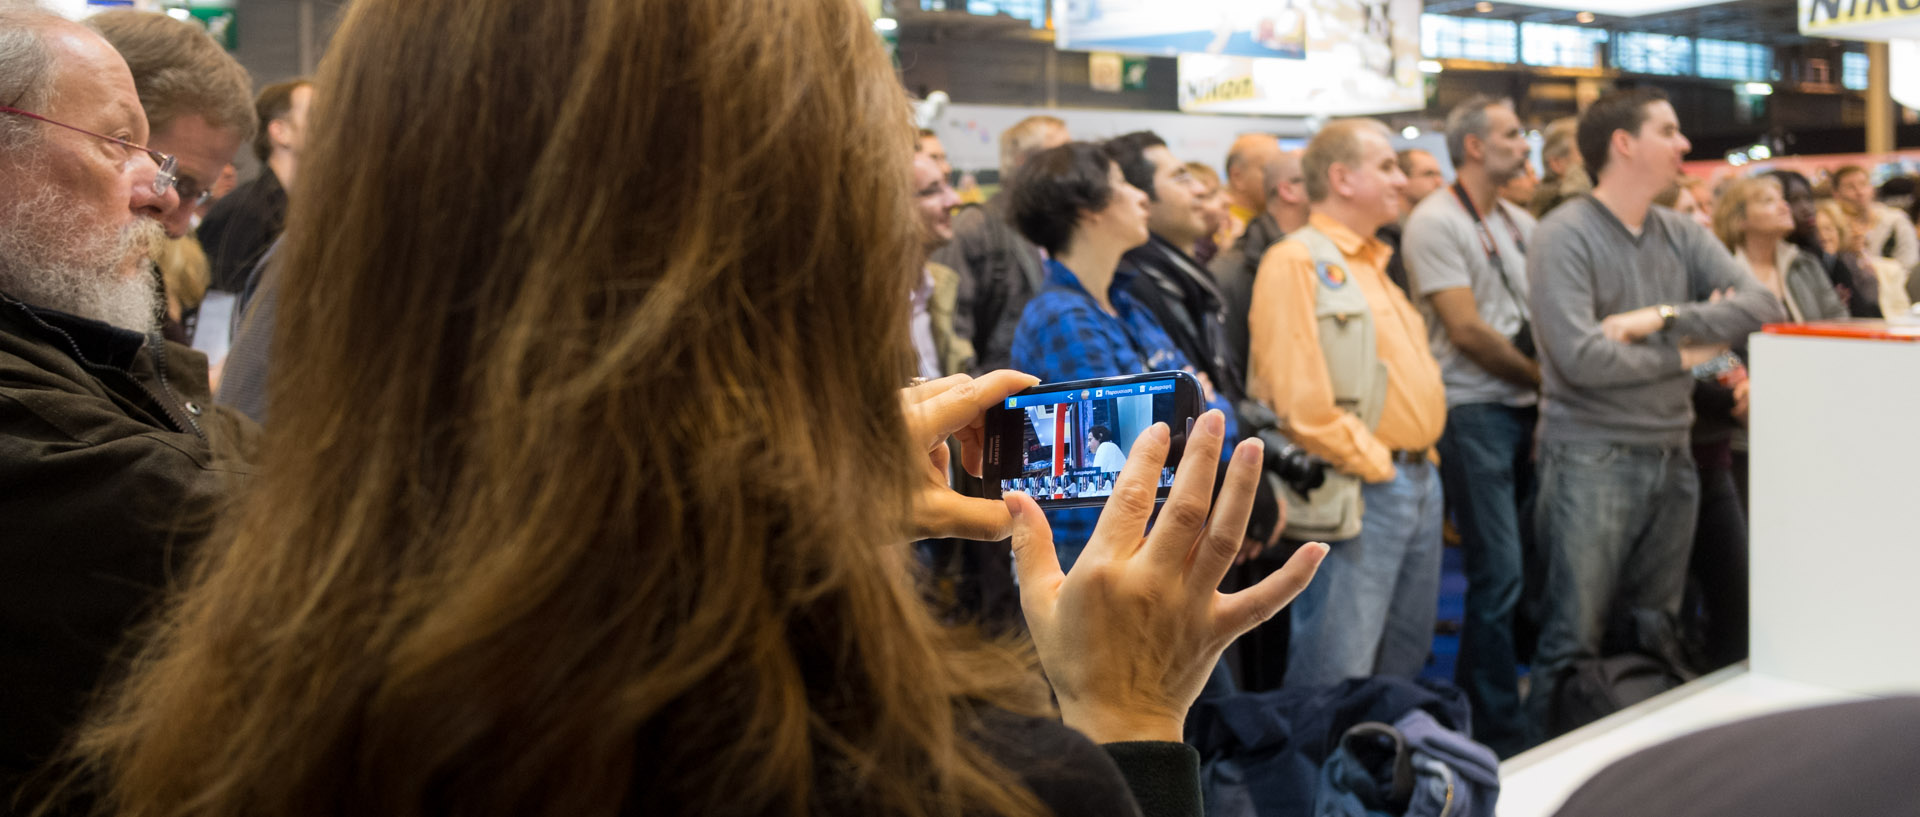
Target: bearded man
[112, 458]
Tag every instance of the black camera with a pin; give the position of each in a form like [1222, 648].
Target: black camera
[1300, 470]
[1523, 340]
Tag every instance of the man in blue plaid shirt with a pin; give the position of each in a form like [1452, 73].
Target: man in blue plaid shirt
[1073, 201]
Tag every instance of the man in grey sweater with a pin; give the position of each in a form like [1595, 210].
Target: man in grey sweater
[1627, 298]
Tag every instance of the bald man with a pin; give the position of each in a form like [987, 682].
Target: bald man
[1286, 210]
[1246, 186]
[1340, 353]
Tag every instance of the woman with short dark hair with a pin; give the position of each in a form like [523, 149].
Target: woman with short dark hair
[1075, 202]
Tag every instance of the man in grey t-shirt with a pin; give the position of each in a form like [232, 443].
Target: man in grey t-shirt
[1465, 252]
[1627, 298]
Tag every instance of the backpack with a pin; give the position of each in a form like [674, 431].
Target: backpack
[1644, 659]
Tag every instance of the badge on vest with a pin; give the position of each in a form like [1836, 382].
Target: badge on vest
[1333, 275]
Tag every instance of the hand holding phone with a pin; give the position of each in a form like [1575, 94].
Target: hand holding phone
[1127, 639]
[1064, 444]
[955, 407]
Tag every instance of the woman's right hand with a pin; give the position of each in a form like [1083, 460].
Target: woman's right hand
[1129, 637]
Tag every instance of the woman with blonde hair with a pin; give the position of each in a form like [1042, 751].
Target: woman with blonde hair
[606, 514]
[1754, 221]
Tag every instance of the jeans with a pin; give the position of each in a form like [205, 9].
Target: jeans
[1486, 464]
[1371, 609]
[1617, 524]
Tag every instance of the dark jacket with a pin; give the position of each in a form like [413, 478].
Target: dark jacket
[107, 480]
[1234, 270]
[1261, 752]
[243, 381]
[1396, 263]
[1190, 306]
[999, 272]
[1074, 776]
[240, 228]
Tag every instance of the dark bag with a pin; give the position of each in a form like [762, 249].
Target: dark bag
[1522, 339]
[1598, 687]
[1644, 659]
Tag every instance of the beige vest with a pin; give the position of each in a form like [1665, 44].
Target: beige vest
[1347, 339]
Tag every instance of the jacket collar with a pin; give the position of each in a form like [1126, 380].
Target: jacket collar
[1159, 259]
[1350, 243]
[1784, 257]
[88, 341]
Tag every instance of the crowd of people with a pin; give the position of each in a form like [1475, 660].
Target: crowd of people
[590, 470]
[1572, 401]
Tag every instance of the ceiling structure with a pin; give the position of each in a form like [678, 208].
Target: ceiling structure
[1768, 22]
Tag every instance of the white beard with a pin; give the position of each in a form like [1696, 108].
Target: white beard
[50, 260]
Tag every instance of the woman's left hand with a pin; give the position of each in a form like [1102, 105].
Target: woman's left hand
[955, 406]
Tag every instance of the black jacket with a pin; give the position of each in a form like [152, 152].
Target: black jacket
[1074, 776]
[1189, 305]
[1235, 269]
[107, 480]
[240, 228]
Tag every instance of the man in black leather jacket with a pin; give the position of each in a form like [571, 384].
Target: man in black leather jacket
[1182, 295]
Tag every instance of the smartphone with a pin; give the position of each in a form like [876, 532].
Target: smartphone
[1064, 443]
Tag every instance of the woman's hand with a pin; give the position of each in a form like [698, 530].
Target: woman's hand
[1128, 638]
[955, 406]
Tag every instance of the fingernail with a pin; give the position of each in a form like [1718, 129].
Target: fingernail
[1014, 509]
[1159, 432]
[1216, 422]
[1249, 450]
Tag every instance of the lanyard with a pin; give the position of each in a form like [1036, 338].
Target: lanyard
[1486, 241]
[1479, 226]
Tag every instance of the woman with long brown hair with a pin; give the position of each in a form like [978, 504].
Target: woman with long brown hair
[590, 472]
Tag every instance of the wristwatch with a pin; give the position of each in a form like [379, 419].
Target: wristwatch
[1667, 315]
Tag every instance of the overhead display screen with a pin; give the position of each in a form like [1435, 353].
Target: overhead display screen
[1239, 28]
[1351, 57]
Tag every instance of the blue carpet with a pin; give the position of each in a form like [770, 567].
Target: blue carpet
[1453, 606]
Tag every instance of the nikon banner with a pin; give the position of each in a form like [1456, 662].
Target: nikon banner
[1875, 20]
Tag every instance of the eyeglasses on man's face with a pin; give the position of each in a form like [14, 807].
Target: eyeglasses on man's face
[166, 179]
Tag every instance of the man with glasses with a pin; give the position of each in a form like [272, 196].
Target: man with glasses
[1182, 295]
[199, 106]
[198, 100]
[111, 459]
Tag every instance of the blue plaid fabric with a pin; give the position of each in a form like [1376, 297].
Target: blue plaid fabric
[1065, 335]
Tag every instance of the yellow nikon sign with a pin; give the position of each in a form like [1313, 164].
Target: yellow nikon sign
[1860, 19]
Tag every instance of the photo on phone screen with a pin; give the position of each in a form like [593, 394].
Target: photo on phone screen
[1064, 444]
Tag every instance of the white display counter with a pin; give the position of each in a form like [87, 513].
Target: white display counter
[1835, 551]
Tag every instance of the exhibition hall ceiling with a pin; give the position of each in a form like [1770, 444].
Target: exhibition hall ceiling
[1769, 22]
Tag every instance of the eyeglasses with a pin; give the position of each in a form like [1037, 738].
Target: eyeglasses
[163, 181]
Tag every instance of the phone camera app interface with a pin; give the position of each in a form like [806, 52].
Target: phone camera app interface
[1076, 441]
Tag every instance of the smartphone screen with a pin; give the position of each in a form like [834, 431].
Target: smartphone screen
[1065, 443]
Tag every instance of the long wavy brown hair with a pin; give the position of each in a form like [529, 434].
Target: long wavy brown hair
[587, 478]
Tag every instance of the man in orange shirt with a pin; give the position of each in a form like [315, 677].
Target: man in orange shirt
[1341, 357]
